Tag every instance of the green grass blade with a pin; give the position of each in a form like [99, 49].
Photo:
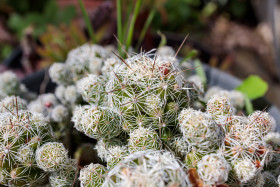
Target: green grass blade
[119, 25]
[127, 20]
[132, 23]
[189, 56]
[145, 28]
[87, 21]
[163, 40]
[200, 71]
[248, 105]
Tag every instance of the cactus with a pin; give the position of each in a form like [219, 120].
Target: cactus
[10, 85]
[116, 154]
[244, 169]
[235, 98]
[150, 123]
[51, 156]
[60, 74]
[150, 168]
[220, 109]
[153, 103]
[22, 133]
[143, 139]
[65, 176]
[199, 130]
[213, 169]
[97, 122]
[93, 175]
[92, 89]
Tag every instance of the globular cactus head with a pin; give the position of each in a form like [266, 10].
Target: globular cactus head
[71, 95]
[150, 88]
[116, 154]
[64, 176]
[92, 88]
[220, 109]
[180, 146]
[60, 73]
[9, 84]
[263, 121]
[213, 169]
[12, 104]
[52, 156]
[93, 175]
[97, 122]
[199, 130]
[244, 169]
[245, 141]
[59, 113]
[236, 98]
[143, 139]
[150, 168]
[21, 134]
[104, 145]
[85, 59]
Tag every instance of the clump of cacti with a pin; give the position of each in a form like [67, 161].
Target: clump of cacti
[143, 103]
[22, 133]
[154, 126]
[150, 168]
[28, 153]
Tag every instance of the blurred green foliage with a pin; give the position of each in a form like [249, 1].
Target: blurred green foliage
[24, 6]
[51, 14]
[58, 41]
[5, 51]
[180, 12]
[178, 15]
[254, 87]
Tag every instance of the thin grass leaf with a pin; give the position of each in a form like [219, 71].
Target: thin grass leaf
[200, 71]
[248, 105]
[163, 40]
[127, 21]
[189, 56]
[145, 28]
[87, 21]
[132, 23]
[119, 25]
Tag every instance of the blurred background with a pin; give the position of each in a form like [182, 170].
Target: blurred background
[240, 37]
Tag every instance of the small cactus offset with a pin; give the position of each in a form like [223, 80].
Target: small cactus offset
[150, 168]
[51, 156]
[22, 133]
[93, 175]
[10, 85]
[28, 153]
[65, 176]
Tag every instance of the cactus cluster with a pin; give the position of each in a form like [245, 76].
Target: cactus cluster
[28, 153]
[142, 108]
[55, 112]
[154, 126]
